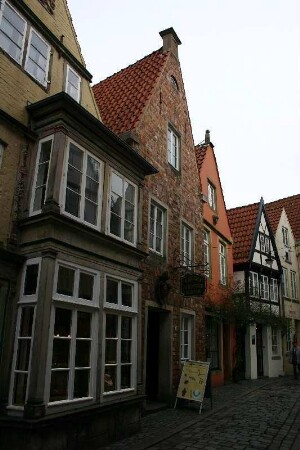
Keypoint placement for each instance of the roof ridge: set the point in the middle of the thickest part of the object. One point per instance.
(243, 206)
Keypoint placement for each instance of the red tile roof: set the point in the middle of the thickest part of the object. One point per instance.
(200, 152)
(122, 97)
(242, 221)
(292, 209)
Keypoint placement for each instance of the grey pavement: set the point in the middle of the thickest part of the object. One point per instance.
(252, 414)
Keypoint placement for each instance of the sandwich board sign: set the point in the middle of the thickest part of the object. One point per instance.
(193, 381)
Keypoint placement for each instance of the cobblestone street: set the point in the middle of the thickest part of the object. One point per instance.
(259, 414)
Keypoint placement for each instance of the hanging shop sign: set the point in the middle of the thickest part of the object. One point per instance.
(193, 381)
(193, 285)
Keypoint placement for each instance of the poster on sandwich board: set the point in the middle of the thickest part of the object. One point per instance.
(193, 381)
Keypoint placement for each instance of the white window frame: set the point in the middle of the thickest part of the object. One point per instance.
(264, 243)
(75, 299)
(253, 284)
(121, 311)
(285, 282)
(75, 305)
(211, 194)
(187, 245)
(223, 263)
(186, 336)
(80, 218)
(20, 59)
(30, 302)
(122, 238)
(45, 82)
(72, 353)
(206, 252)
(37, 166)
(67, 82)
(156, 224)
(273, 290)
(264, 287)
(293, 285)
(173, 148)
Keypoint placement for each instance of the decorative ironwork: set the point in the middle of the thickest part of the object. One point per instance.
(49, 5)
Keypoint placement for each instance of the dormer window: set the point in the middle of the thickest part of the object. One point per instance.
(73, 84)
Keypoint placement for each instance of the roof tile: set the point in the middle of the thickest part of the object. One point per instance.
(292, 209)
(122, 97)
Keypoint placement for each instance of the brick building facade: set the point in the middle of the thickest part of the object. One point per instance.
(145, 104)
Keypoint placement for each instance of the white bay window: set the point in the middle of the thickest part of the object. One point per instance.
(41, 176)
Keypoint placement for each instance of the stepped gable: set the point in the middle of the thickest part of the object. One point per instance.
(292, 209)
(122, 97)
(242, 222)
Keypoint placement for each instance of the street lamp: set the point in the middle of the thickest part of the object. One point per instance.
(269, 260)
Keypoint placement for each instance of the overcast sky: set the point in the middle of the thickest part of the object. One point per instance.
(241, 69)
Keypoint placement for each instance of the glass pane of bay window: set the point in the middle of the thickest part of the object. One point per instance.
(74, 181)
(83, 324)
(81, 383)
(42, 174)
(126, 294)
(31, 277)
(20, 388)
(23, 354)
(61, 352)
(126, 376)
(65, 281)
(86, 286)
(59, 385)
(62, 325)
(110, 378)
(111, 291)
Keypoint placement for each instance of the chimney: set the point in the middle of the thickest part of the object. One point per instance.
(170, 41)
(207, 137)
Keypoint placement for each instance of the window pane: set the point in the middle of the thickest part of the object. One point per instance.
(72, 203)
(129, 192)
(129, 212)
(65, 281)
(111, 325)
(128, 231)
(111, 351)
(31, 277)
(83, 324)
(125, 377)
(110, 379)
(75, 157)
(42, 174)
(111, 291)
(117, 185)
(81, 383)
(91, 190)
(116, 204)
(61, 350)
(93, 168)
(90, 212)
(74, 179)
(125, 351)
(126, 328)
(115, 225)
(24, 346)
(86, 286)
(26, 321)
(62, 325)
(59, 385)
(82, 358)
(20, 389)
(126, 294)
